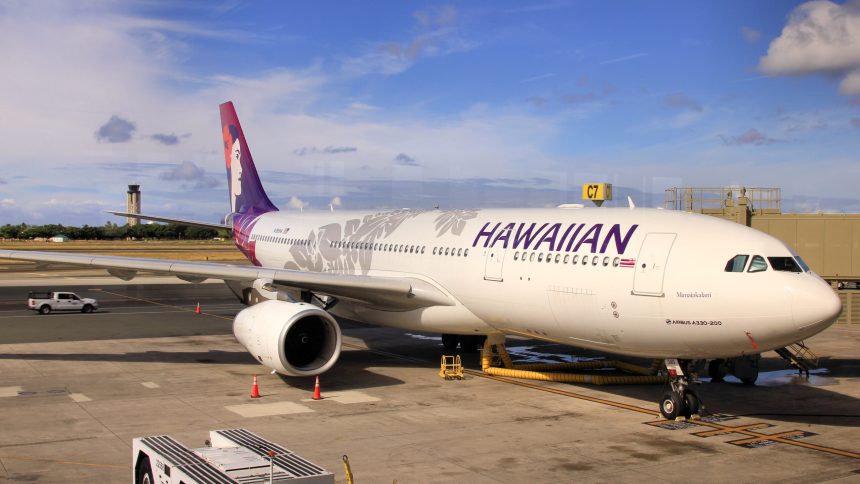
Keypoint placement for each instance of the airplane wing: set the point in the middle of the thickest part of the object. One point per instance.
(396, 293)
(193, 223)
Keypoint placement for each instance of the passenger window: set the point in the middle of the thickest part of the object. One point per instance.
(737, 263)
(784, 264)
(466, 253)
(566, 258)
(446, 250)
(595, 260)
(532, 257)
(434, 250)
(758, 264)
(459, 252)
(422, 248)
(616, 261)
(575, 259)
(605, 261)
(548, 258)
(540, 257)
(557, 258)
(584, 260)
(516, 256)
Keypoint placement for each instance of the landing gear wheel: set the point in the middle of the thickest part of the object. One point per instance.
(692, 403)
(749, 380)
(671, 405)
(715, 371)
(450, 341)
(470, 344)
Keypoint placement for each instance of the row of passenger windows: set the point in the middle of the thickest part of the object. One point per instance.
(279, 240)
(758, 264)
(400, 248)
(566, 258)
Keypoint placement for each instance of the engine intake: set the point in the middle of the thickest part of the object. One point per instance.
(296, 339)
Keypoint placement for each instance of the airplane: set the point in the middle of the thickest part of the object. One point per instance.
(630, 281)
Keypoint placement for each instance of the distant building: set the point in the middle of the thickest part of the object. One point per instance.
(133, 204)
(59, 238)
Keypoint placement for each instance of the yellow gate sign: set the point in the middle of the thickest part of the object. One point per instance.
(597, 192)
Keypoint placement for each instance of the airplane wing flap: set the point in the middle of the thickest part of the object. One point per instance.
(389, 292)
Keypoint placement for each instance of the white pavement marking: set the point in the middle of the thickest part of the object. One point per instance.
(150, 384)
(9, 391)
(80, 397)
(268, 409)
(346, 397)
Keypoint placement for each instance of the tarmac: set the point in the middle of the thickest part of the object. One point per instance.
(75, 389)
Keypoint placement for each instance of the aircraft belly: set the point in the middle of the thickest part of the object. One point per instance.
(435, 319)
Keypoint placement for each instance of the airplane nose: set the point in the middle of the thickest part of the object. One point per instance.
(814, 306)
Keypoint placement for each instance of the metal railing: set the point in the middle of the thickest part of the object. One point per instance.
(694, 199)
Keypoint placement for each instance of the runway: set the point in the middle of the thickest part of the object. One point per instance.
(75, 389)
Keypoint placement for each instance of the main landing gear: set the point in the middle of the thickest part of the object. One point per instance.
(679, 400)
(468, 343)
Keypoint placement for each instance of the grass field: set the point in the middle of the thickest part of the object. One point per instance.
(197, 250)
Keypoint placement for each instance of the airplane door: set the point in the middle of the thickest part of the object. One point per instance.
(493, 262)
(651, 264)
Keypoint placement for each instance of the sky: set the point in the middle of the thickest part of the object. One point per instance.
(420, 104)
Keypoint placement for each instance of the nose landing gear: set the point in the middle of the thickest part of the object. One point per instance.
(679, 400)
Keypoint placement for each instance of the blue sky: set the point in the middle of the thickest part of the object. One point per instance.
(424, 103)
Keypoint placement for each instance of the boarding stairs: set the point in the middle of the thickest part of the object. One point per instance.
(799, 356)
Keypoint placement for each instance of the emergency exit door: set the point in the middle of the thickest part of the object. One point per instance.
(651, 264)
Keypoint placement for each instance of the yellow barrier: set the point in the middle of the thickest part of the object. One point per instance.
(544, 371)
(451, 367)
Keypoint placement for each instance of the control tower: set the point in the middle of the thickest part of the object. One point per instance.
(133, 204)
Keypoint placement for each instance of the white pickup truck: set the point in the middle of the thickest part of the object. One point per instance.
(45, 302)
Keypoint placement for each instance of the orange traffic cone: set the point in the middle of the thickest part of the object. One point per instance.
(317, 389)
(198, 308)
(255, 390)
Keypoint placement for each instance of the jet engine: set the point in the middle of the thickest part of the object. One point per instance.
(296, 339)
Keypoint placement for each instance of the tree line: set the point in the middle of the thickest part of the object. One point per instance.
(110, 231)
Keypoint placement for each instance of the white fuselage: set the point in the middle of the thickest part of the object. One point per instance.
(632, 281)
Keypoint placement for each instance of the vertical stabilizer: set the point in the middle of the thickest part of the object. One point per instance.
(246, 192)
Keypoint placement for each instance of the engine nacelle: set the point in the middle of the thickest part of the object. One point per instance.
(297, 339)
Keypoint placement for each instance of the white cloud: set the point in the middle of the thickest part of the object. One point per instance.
(821, 37)
(437, 36)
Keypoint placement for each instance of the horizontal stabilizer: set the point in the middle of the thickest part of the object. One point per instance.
(192, 223)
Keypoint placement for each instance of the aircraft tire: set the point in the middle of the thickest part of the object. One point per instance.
(671, 405)
(750, 380)
(715, 372)
(692, 404)
(45, 309)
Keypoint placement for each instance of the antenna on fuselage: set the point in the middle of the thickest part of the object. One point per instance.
(630, 202)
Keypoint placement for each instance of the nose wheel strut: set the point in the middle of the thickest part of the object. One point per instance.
(679, 400)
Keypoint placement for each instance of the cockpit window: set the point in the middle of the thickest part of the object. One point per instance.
(758, 264)
(785, 264)
(802, 264)
(737, 263)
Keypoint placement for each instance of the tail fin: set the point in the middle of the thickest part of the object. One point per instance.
(246, 192)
